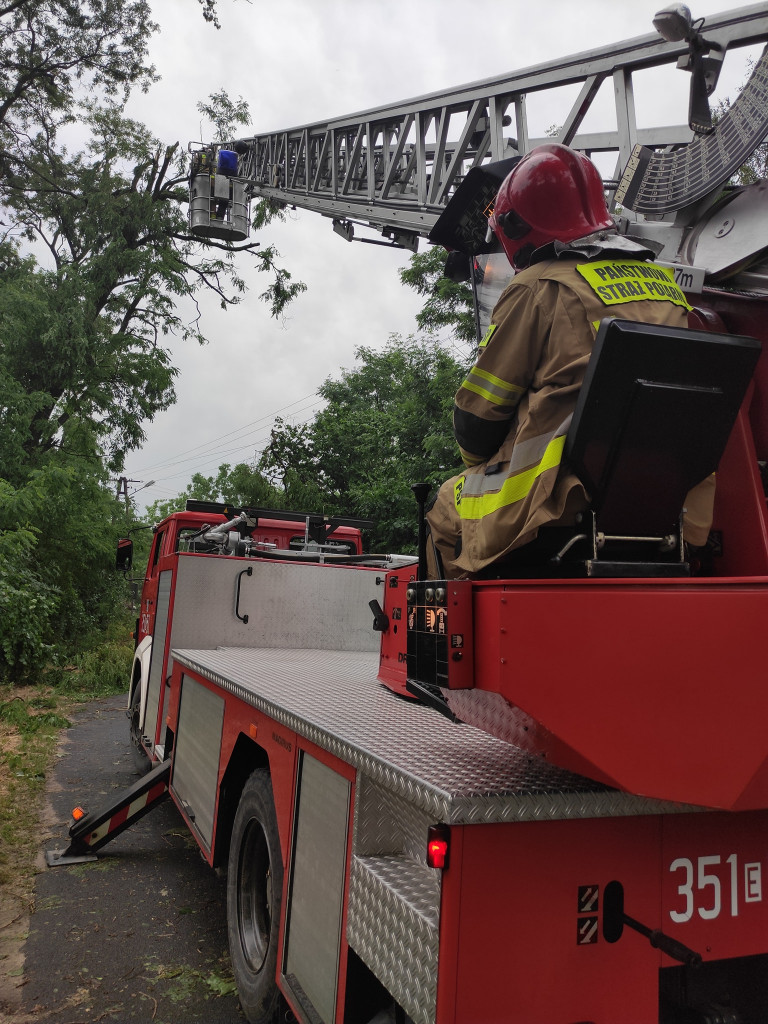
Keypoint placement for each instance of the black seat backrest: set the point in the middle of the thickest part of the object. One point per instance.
(652, 419)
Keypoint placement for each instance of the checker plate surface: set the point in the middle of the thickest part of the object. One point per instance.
(393, 926)
(455, 773)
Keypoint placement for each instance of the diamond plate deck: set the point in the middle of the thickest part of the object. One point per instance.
(455, 773)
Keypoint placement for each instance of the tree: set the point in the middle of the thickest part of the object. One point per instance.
(209, 11)
(110, 217)
(290, 463)
(95, 258)
(50, 50)
(448, 303)
(121, 258)
(225, 115)
(242, 486)
(57, 546)
(386, 426)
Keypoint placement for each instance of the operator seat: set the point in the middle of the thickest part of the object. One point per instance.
(653, 417)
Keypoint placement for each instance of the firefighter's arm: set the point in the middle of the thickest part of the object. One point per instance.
(487, 400)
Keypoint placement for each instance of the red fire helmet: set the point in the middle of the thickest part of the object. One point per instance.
(553, 193)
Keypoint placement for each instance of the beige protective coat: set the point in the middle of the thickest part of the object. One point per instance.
(513, 410)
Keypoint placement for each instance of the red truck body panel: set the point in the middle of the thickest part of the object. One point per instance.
(536, 953)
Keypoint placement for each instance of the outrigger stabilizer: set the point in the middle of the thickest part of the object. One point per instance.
(90, 832)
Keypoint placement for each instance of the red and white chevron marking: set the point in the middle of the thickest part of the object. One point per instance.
(125, 813)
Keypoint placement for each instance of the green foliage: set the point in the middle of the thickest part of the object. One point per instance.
(85, 322)
(225, 115)
(281, 290)
(221, 984)
(104, 669)
(242, 486)
(27, 609)
(182, 983)
(58, 532)
(23, 716)
(56, 513)
(264, 211)
(386, 426)
(290, 462)
(28, 602)
(245, 486)
(448, 304)
(84, 338)
(50, 50)
(209, 11)
(158, 510)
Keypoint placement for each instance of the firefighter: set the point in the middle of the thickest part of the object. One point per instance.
(513, 410)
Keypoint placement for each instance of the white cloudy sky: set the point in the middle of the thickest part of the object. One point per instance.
(299, 61)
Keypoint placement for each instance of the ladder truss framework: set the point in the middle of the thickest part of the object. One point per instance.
(395, 168)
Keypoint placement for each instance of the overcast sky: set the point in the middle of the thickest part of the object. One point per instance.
(299, 61)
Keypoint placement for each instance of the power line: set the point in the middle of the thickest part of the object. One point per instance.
(204, 459)
(253, 442)
(205, 448)
(174, 459)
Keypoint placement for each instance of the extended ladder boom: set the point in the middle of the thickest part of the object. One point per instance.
(394, 168)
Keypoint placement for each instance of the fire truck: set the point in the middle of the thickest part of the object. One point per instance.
(540, 795)
(209, 528)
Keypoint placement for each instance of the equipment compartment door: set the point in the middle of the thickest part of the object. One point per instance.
(316, 893)
(195, 779)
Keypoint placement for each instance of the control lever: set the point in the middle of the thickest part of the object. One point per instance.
(614, 920)
(380, 618)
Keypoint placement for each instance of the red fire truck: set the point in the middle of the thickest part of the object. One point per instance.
(538, 796)
(209, 528)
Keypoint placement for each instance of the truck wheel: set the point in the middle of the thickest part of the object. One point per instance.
(140, 760)
(254, 890)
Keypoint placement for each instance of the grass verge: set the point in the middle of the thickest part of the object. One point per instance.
(31, 719)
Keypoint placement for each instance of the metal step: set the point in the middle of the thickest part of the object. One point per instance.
(392, 924)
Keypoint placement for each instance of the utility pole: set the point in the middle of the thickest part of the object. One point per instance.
(122, 487)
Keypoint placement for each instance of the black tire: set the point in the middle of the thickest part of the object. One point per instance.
(254, 893)
(141, 762)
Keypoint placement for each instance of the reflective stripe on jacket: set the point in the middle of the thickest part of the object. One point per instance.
(513, 410)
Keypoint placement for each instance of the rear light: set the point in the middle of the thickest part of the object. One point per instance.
(438, 846)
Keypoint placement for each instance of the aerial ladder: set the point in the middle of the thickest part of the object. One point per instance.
(394, 170)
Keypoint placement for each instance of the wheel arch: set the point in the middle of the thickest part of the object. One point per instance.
(247, 757)
(140, 671)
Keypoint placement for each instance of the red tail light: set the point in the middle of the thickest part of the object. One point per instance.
(438, 846)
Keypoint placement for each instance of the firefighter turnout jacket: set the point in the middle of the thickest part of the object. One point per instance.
(513, 411)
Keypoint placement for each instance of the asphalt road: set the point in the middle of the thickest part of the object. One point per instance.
(139, 935)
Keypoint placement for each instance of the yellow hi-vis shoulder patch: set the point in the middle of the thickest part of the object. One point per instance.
(631, 281)
(488, 335)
